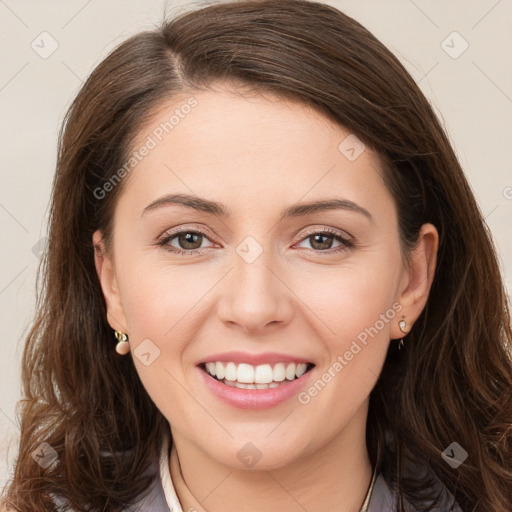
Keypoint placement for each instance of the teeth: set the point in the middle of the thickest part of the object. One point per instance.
(290, 372)
(262, 376)
(301, 369)
(241, 385)
(279, 372)
(245, 373)
(231, 372)
(219, 371)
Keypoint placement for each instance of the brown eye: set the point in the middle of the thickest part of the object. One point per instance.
(188, 240)
(185, 242)
(322, 241)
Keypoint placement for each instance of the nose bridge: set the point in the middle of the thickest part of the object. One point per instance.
(255, 297)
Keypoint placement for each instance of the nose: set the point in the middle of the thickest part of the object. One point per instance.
(255, 297)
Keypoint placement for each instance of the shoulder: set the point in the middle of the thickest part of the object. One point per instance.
(384, 499)
(153, 499)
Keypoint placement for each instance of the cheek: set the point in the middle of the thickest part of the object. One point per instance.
(351, 298)
(357, 307)
(160, 306)
(158, 299)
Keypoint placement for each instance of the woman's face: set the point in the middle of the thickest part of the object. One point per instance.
(220, 256)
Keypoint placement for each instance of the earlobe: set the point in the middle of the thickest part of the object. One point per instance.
(107, 278)
(418, 277)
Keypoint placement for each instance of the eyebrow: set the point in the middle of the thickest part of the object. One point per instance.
(218, 209)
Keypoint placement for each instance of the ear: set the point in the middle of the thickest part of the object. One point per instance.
(106, 275)
(416, 280)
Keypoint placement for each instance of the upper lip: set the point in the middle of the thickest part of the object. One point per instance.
(253, 359)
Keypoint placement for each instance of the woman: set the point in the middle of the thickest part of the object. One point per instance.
(268, 285)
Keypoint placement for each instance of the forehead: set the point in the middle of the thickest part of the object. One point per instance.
(257, 145)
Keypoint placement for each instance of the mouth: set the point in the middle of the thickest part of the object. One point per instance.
(259, 377)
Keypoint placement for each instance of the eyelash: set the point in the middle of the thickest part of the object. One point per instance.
(167, 237)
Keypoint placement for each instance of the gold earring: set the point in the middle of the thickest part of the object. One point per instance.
(403, 327)
(123, 346)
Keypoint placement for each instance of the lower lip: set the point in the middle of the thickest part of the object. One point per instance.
(255, 399)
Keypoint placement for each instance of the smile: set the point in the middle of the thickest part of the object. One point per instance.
(263, 376)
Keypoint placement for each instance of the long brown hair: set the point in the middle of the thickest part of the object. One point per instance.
(451, 383)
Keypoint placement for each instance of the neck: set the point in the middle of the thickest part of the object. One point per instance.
(335, 477)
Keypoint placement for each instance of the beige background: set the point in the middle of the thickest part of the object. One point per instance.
(472, 93)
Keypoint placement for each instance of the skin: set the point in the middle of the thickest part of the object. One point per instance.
(258, 155)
